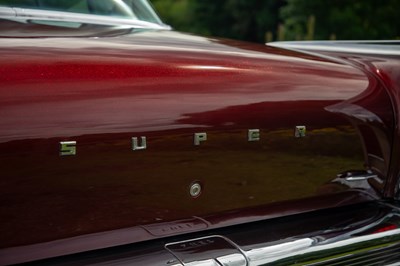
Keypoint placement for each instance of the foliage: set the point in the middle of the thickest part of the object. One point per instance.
(296, 19)
(345, 19)
(239, 19)
(261, 20)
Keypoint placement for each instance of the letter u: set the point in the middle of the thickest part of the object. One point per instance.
(136, 146)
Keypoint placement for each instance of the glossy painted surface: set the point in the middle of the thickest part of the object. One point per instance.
(386, 68)
(381, 59)
(101, 92)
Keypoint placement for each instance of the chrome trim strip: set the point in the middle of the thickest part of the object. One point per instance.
(358, 178)
(263, 256)
(268, 254)
(232, 260)
(238, 258)
(7, 12)
(34, 14)
(366, 47)
(297, 250)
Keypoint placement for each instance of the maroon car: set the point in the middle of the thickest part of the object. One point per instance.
(123, 142)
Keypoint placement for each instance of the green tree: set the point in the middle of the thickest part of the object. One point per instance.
(239, 19)
(345, 19)
(176, 13)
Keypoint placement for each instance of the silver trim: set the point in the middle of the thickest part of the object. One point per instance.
(302, 250)
(135, 143)
(253, 135)
(357, 175)
(48, 15)
(67, 148)
(210, 262)
(300, 131)
(305, 246)
(199, 137)
(358, 178)
(238, 258)
(360, 47)
(7, 12)
(232, 260)
(195, 190)
(268, 254)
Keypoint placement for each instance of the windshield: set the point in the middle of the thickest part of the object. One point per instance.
(127, 9)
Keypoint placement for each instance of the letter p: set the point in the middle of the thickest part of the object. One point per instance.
(199, 137)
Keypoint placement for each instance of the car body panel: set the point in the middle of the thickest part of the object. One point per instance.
(101, 92)
(380, 58)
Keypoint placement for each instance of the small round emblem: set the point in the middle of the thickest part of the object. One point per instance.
(195, 189)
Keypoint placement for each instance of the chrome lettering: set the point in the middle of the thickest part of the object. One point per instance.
(199, 137)
(300, 131)
(253, 135)
(67, 148)
(136, 146)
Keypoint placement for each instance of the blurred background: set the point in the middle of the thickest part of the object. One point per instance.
(283, 20)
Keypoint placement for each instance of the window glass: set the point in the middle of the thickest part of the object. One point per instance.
(129, 9)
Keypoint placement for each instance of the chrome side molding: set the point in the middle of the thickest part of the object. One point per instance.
(357, 175)
(212, 250)
(193, 252)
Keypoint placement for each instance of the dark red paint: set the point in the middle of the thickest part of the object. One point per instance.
(166, 86)
(386, 69)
